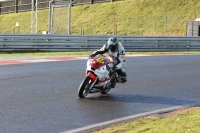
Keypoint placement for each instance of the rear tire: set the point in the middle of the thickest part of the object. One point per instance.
(84, 87)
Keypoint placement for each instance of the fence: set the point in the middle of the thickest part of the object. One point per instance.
(30, 42)
(15, 6)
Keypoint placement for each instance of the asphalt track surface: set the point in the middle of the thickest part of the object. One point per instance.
(42, 97)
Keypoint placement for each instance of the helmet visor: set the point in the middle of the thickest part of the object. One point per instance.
(113, 48)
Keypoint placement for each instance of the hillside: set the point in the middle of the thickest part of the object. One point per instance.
(128, 17)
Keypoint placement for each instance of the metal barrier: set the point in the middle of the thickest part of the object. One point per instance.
(55, 42)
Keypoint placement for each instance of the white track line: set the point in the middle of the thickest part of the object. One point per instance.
(91, 128)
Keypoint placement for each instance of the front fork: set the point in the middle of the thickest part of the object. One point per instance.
(93, 77)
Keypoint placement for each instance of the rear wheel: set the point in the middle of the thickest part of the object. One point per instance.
(84, 88)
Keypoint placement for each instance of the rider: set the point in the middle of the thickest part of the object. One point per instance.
(117, 54)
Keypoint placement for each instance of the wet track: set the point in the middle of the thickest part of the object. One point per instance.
(42, 97)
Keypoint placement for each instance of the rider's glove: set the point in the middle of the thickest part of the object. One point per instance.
(91, 56)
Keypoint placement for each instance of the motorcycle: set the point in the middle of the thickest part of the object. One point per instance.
(98, 76)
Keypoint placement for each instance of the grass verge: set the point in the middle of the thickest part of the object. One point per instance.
(181, 121)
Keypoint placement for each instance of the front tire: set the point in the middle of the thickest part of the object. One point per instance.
(84, 87)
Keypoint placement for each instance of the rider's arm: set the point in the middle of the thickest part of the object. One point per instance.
(101, 51)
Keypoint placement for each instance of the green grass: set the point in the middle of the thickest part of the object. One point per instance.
(127, 17)
(183, 121)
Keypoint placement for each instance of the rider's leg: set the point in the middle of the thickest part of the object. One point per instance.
(111, 72)
(122, 73)
(110, 69)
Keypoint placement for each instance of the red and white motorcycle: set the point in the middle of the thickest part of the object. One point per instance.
(98, 78)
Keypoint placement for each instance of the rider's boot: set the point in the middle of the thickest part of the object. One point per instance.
(113, 84)
(112, 76)
(112, 79)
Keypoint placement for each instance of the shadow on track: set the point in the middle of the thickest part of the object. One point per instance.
(128, 98)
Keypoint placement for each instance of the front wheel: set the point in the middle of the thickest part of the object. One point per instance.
(84, 88)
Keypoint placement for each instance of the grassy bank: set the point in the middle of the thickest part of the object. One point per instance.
(181, 121)
(127, 17)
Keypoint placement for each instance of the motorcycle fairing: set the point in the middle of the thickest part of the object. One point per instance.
(92, 75)
(99, 61)
(98, 67)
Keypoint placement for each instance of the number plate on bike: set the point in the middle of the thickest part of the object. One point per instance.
(100, 59)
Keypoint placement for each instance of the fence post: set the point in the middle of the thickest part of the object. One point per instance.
(91, 1)
(16, 6)
(142, 33)
(81, 30)
(13, 30)
(115, 29)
